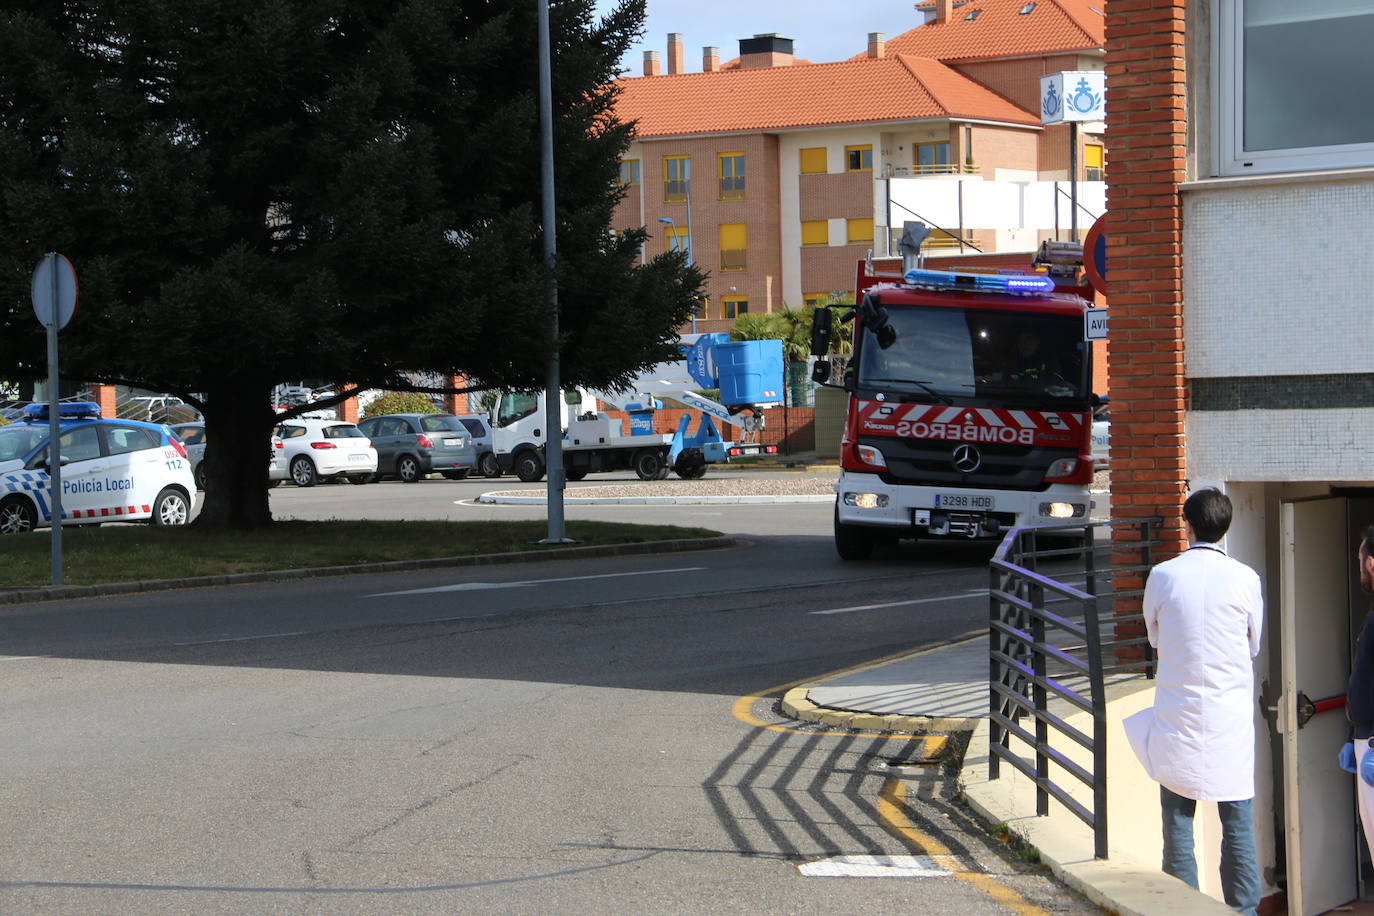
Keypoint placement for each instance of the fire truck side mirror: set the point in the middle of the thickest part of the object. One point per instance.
(820, 371)
(820, 332)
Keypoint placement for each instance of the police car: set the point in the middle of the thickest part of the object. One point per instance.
(112, 470)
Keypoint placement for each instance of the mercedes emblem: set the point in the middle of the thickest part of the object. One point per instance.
(966, 459)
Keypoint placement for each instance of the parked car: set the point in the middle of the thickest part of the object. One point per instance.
(192, 435)
(112, 470)
(479, 427)
(1101, 435)
(314, 450)
(413, 445)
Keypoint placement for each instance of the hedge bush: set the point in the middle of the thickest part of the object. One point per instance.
(399, 402)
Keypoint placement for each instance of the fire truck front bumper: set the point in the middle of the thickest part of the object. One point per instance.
(918, 511)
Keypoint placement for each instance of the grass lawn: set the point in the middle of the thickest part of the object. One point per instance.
(123, 553)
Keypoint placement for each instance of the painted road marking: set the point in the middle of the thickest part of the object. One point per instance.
(875, 607)
(873, 867)
(530, 583)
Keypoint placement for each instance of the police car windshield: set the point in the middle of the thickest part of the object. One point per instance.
(968, 353)
(16, 441)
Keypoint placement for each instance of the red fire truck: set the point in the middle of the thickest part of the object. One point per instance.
(970, 403)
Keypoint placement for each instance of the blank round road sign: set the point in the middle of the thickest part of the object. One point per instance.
(44, 305)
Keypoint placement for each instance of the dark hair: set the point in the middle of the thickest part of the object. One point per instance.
(1209, 512)
(1367, 541)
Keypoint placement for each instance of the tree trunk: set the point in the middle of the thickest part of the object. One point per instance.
(238, 434)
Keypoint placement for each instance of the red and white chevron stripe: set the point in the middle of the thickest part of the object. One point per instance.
(108, 512)
(970, 424)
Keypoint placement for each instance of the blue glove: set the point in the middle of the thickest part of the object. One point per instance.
(1367, 769)
(1346, 758)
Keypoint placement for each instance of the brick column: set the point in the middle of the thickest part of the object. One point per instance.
(104, 395)
(348, 410)
(456, 403)
(1147, 123)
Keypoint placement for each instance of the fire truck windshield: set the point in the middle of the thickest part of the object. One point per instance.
(944, 353)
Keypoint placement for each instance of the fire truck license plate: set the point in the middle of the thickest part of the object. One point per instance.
(963, 501)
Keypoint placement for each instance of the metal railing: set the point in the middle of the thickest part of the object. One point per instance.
(1049, 657)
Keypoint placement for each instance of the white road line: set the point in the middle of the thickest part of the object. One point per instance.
(21, 658)
(529, 583)
(210, 642)
(875, 607)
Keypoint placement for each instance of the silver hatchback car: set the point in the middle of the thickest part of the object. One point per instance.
(410, 446)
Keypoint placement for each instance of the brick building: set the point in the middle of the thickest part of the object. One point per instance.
(1241, 198)
(785, 172)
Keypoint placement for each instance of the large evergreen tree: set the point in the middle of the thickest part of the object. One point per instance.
(256, 190)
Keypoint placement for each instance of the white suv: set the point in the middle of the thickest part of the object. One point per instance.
(112, 471)
(315, 449)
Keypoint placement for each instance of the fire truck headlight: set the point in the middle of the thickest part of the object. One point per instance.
(1062, 468)
(871, 456)
(866, 500)
(1063, 510)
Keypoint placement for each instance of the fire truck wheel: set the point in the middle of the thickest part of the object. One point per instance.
(851, 541)
(529, 467)
(649, 465)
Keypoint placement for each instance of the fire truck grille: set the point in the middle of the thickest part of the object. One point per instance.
(1008, 467)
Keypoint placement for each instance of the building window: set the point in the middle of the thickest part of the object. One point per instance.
(859, 231)
(813, 161)
(730, 171)
(677, 178)
(733, 306)
(1285, 76)
(858, 158)
(1092, 162)
(815, 232)
(932, 158)
(676, 239)
(734, 244)
(629, 171)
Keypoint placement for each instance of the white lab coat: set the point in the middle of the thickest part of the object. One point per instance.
(1203, 612)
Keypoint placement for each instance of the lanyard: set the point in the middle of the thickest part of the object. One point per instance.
(1208, 547)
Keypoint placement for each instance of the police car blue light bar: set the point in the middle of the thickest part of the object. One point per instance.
(1016, 284)
(70, 410)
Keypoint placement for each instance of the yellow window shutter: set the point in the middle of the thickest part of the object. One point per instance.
(813, 161)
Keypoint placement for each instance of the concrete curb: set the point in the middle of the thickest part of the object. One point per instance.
(681, 545)
(797, 704)
(1123, 887)
(494, 498)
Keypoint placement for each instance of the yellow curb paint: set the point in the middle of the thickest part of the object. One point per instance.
(890, 802)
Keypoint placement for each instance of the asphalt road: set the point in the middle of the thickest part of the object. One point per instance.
(594, 736)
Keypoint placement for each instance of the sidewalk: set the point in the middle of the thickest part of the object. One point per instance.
(943, 691)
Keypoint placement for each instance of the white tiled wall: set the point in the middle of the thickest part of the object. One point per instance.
(1281, 445)
(1278, 279)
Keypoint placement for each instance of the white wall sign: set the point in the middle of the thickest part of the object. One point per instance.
(1095, 324)
(1073, 95)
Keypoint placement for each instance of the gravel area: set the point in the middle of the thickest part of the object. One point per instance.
(744, 485)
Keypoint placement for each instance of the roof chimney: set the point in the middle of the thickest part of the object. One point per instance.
(675, 52)
(877, 44)
(710, 59)
(944, 10)
(768, 50)
(652, 65)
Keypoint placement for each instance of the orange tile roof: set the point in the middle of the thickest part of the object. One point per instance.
(999, 30)
(901, 88)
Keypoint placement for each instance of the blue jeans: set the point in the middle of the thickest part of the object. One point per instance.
(1239, 872)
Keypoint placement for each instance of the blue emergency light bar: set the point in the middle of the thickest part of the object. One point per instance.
(1014, 284)
(70, 410)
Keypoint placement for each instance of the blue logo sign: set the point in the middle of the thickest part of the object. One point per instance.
(1083, 100)
(1051, 104)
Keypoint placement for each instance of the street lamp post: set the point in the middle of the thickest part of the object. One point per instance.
(668, 220)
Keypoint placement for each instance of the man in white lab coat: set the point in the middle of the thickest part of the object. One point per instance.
(1203, 612)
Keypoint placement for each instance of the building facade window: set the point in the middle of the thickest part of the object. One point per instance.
(932, 158)
(733, 306)
(629, 171)
(815, 232)
(1092, 162)
(730, 171)
(677, 178)
(858, 158)
(813, 161)
(1286, 76)
(858, 231)
(675, 239)
(734, 246)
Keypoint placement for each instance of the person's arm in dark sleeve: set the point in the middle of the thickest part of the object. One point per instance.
(1360, 692)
